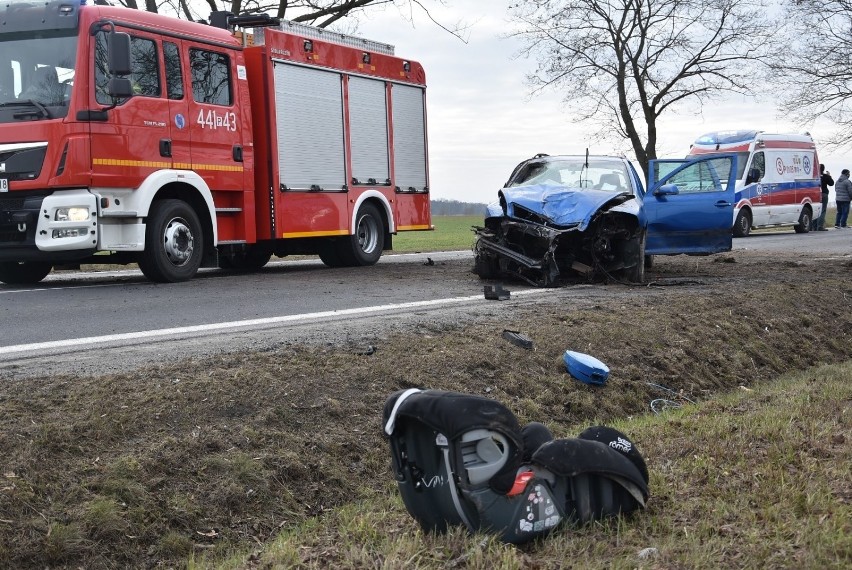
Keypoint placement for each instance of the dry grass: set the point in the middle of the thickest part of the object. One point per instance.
(204, 458)
(754, 479)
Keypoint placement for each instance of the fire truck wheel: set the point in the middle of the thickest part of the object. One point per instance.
(804, 225)
(742, 226)
(329, 253)
(173, 242)
(365, 246)
(250, 260)
(20, 273)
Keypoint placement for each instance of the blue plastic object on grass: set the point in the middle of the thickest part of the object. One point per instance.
(586, 368)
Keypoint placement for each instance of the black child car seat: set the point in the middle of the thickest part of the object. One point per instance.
(465, 460)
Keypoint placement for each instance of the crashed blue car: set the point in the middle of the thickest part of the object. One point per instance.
(566, 218)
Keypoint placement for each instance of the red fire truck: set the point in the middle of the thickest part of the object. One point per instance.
(127, 136)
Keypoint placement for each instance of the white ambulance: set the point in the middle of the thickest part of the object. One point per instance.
(778, 181)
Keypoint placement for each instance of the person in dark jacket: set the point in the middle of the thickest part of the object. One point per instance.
(843, 195)
(825, 180)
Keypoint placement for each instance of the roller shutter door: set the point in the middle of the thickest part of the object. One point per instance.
(309, 113)
(368, 129)
(409, 138)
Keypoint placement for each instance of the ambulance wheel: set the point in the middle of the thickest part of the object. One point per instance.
(804, 225)
(23, 272)
(174, 242)
(365, 246)
(742, 227)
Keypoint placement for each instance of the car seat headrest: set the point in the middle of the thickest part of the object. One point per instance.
(610, 179)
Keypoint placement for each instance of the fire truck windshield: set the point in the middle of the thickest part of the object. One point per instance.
(36, 74)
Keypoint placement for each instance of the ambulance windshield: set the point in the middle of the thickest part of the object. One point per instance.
(36, 74)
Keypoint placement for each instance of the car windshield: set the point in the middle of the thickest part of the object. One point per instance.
(600, 174)
(36, 74)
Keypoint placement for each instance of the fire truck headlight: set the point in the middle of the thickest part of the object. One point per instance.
(72, 214)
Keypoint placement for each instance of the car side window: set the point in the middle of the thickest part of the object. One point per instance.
(144, 68)
(211, 77)
(701, 177)
(759, 162)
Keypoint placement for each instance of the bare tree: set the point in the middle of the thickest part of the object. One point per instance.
(320, 13)
(815, 75)
(622, 64)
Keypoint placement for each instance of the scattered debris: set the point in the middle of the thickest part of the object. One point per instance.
(647, 553)
(661, 405)
(496, 293)
(518, 339)
(366, 351)
(585, 368)
(428, 261)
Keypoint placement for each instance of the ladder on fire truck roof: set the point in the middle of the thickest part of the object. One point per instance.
(328, 36)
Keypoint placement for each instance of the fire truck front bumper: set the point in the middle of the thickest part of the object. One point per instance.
(41, 226)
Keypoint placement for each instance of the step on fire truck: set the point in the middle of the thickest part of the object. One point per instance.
(127, 136)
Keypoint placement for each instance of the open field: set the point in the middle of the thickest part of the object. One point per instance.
(274, 459)
(451, 233)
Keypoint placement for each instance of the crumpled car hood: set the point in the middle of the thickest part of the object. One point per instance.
(562, 206)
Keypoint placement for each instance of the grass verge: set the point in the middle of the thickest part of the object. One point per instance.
(451, 233)
(760, 478)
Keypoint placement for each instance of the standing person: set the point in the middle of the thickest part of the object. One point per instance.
(825, 180)
(843, 195)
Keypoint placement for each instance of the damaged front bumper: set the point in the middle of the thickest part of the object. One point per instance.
(611, 247)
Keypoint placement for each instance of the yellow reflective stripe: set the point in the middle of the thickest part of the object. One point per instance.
(178, 166)
(115, 162)
(413, 228)
(315, 234)
(222, 167)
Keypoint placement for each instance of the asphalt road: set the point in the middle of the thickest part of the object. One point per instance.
(71, 319)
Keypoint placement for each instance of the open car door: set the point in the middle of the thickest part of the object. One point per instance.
(690, 205)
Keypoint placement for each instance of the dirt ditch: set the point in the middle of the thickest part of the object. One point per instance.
(144, 467)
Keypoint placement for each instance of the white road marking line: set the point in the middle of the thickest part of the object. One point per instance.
(213, 327)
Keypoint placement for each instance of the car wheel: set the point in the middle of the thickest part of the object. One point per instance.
(486, 267)
(742, 227)
(365, 246)
(804, 225)
(174, 242)
(636, 274)
(23, 272)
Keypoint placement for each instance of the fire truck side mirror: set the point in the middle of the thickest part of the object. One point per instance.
(120, 87)
(118, 49)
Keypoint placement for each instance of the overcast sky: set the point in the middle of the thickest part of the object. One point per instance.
(482, 120)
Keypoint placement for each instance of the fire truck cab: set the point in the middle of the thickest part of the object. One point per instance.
(127, 136)
(777, 181)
